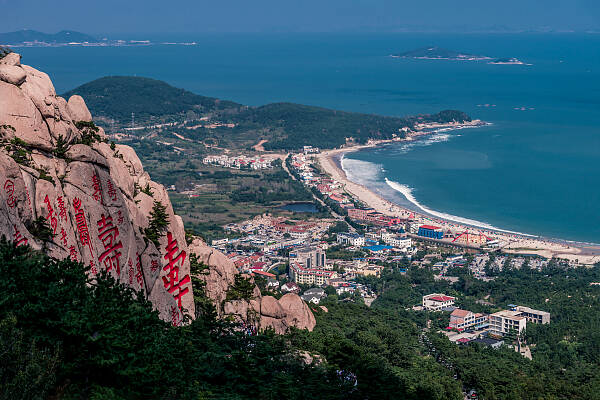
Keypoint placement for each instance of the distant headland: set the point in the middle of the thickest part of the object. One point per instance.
(31, 38)
(438, 53)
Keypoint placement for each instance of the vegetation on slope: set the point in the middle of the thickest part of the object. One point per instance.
(284, 125)
(116, 97)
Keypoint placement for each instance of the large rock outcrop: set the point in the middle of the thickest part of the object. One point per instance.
(261, 312)
(57, 170)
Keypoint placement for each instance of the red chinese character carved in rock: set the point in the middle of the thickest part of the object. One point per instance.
(174, 316)
(171, 279)
(112, 193)
(9, 189)
(51, 217)
(19, 239)
(97, 195)
(82, 228)
(93, 267)
(138, 268)
(73, 253)
(108, 234)
(63, 236)
(62, 211)
(119, 217)
(154, 266)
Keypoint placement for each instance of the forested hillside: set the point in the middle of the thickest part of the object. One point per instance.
(286, 126)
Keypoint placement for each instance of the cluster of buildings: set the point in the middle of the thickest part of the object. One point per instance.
(239, 162)
(509, 322)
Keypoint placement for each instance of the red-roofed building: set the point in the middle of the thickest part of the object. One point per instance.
(436, 301)
(463, 319)
(263, 273)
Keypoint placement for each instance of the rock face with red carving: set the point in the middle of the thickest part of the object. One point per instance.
(260, 312)
(65, 190)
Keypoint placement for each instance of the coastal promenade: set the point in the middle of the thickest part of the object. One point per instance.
(581, 253)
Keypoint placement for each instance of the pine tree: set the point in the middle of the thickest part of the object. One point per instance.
(159, 220)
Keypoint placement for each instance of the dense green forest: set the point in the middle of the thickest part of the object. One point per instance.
(116, 97)
(65, 336)
(285, 126)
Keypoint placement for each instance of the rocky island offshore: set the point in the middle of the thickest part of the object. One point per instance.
(438, 53)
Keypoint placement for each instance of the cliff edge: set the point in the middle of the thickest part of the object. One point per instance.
(66, 190)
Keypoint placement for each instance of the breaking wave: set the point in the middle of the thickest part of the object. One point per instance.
(407, 192)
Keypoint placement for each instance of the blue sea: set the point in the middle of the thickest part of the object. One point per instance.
(535, 170)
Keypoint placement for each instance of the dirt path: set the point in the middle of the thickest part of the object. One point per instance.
(259, 146)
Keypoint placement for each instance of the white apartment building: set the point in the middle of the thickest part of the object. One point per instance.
(437, 301)
(350, 239)
(535, 316)
(506, 321)
(302, 275)
(401, 243)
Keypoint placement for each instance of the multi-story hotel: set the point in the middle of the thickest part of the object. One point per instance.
(463, 319)
(302, 275)
(505, 321)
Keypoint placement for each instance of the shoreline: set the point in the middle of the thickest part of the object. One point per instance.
(514, 242)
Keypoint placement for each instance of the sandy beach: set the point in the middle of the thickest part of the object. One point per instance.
(511, 243)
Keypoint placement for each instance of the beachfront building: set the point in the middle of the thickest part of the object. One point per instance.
(310, 276)
(437, 301)
(309, 256)
(535, 316)
(430, 231)
(506, 321)
(350, 239)
(399, 242)
(464, 319)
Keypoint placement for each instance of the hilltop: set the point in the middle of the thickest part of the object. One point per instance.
(283, 125)
(28, 35)
(116, 97)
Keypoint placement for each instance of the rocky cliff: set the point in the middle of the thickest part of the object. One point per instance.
(261, 312)
(66, 190)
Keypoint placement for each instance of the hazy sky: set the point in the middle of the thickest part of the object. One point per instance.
(159, 16)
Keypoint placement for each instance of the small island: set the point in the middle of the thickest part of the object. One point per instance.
(507, 61)
(438, 53)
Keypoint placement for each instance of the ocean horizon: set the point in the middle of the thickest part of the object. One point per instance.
(534, 170)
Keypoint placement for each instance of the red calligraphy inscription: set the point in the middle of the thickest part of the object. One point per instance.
(62, 211)
(154, 266)
(174, 316)
(108, 234)
(97, 195)
(82, 228)
(9, 189)
(120, 217)
(63, 236)
(73, 253)
(51, 216)
(19, 238)
(93, 267)
(28, 199)
(138, 268)
(112, 193)
(175, 261)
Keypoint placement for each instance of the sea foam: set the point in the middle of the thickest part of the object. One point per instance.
(407, 192)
